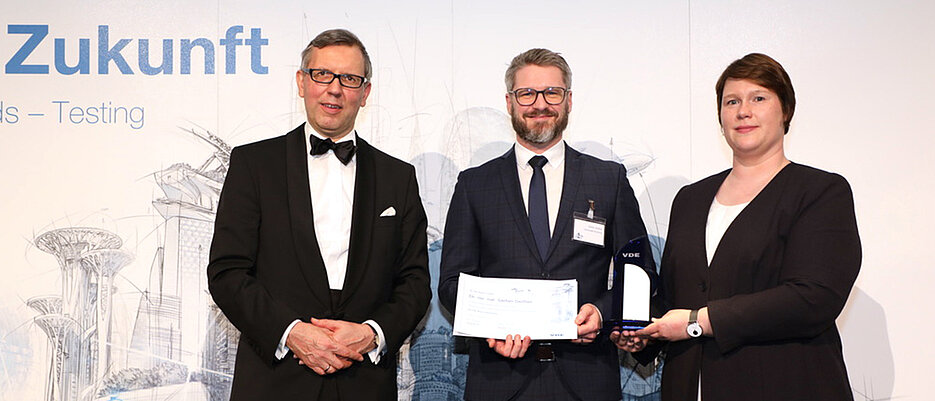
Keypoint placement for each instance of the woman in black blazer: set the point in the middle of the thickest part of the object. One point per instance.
(758, 263)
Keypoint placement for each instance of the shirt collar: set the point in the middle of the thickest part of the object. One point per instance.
(555, 154)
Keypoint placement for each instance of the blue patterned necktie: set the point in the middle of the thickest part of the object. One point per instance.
(539, 206)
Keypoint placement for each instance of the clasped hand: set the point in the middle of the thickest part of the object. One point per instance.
(515, 346)
(326, 346)
(670, 327)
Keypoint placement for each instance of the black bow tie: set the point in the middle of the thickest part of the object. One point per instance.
(343, 150)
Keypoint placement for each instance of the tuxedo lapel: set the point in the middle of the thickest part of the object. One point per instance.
(301, 216)
(361, 219)
(509, 178)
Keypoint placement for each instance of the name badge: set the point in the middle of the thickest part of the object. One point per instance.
(589, 229)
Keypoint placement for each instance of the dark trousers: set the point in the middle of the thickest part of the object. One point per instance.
(546, 384)
(329, 391)
(329, 386)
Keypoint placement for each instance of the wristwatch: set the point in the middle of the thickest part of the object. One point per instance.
(694, 329)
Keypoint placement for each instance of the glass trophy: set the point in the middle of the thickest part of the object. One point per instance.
(634, 283)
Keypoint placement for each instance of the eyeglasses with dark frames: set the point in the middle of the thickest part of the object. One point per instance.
(552, 95)
(326, 77)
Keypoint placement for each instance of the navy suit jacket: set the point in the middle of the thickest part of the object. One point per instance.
(488, 234)
(266, 269)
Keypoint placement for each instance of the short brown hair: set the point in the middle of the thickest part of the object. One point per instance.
(337, 37)
(540, 57)
(766, 72)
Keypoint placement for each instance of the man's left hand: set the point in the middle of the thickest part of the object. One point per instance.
(356, 336)
(589, 324)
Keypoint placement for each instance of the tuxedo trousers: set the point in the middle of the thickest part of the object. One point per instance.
(329, 386)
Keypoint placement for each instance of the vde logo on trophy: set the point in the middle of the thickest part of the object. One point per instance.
(634, 283)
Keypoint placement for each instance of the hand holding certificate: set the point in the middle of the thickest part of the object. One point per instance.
(497, 307)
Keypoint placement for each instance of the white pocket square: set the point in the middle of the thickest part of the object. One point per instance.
(389, 212)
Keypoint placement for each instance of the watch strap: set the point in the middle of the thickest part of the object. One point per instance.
(694, 328)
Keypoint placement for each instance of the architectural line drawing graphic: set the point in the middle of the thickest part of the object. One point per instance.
(181, 344)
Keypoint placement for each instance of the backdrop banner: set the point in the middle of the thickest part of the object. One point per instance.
(117, 119)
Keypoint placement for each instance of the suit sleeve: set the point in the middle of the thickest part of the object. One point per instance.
(460, 250)
(411, 288)
(232, 281)
(820, 263)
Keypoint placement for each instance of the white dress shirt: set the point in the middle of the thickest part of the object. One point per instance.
(554, 172)
(331, 185)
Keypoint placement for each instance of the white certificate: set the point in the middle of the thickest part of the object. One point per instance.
(496, 307)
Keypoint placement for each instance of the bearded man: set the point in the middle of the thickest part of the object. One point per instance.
(512, 217)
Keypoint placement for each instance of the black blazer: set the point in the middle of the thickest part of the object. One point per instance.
(487, 234)
(778, 279)
(266, 269)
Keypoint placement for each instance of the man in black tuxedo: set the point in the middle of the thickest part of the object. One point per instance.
(319, 246)
(514, 217)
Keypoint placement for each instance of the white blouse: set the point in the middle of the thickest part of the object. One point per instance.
(719, 219)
